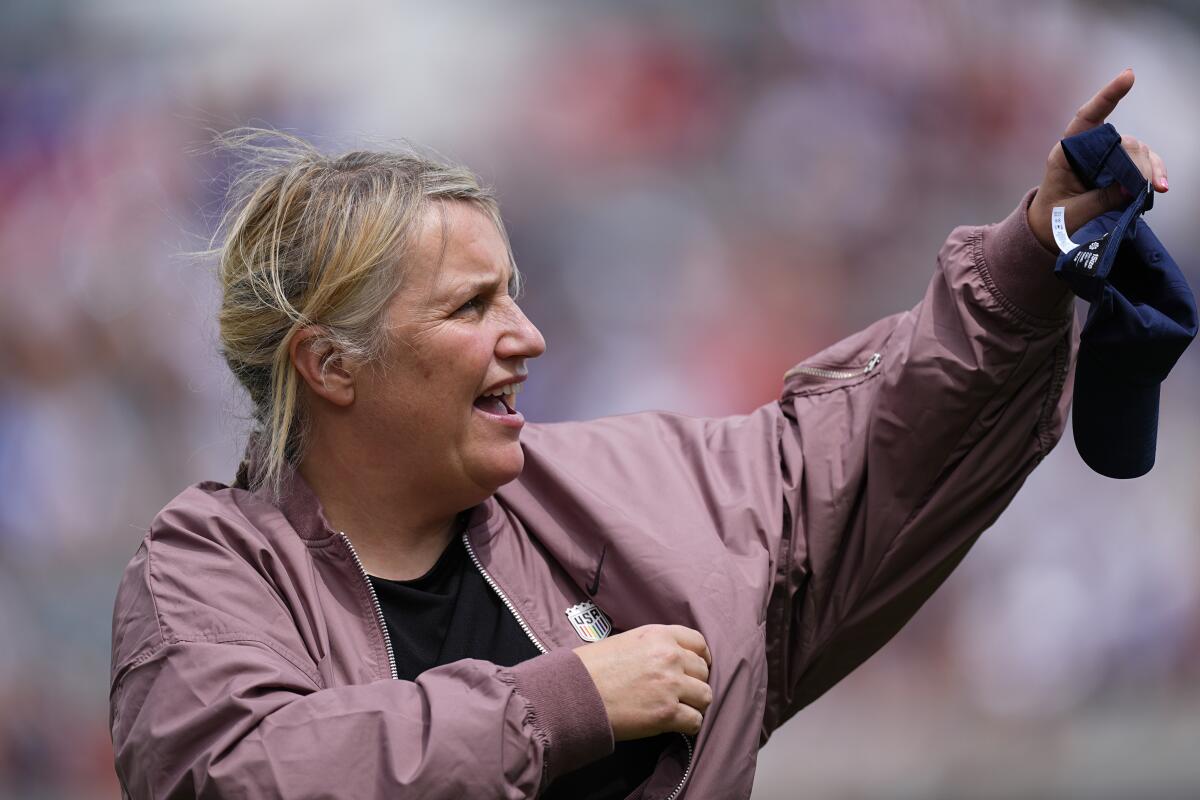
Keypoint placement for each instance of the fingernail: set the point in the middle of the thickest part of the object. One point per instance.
(1164, 183)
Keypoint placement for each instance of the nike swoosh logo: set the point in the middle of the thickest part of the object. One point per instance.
(595, 587)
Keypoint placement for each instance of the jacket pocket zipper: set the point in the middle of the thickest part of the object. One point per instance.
(837, 374)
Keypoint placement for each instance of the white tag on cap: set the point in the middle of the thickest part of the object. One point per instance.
(1058, 224)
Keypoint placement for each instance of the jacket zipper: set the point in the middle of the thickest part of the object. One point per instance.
(838, 374)
(503, 597)
(387, 639)
(542, 649)
(686, 771)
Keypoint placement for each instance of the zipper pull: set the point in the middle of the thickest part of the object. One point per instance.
(873, 363)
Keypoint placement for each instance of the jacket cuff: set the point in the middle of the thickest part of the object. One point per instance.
(1022, 269)
(566, 709)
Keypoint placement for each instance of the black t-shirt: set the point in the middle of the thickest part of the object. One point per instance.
(450, 613)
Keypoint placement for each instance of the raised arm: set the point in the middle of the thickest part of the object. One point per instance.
(884, 459)
(897, 472)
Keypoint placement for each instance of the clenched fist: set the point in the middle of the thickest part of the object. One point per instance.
(652, 679)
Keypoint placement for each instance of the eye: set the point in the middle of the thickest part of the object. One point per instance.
(475, 305)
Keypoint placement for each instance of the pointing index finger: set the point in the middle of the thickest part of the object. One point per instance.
(1096, 110)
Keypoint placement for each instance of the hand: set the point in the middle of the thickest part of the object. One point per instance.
(652, 679)
(1061, 187)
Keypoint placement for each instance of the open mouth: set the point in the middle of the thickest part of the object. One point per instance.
(500, 403)
(494, 405)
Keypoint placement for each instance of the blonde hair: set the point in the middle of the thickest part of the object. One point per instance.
(316, 240)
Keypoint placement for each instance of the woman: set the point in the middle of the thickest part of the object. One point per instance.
(409, 593)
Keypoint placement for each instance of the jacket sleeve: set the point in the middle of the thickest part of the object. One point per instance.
(226, 710)
(889, 477)
(866, 483)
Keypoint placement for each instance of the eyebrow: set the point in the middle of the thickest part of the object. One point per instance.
(475, 285)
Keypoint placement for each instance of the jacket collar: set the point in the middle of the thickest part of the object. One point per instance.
(299, 505)
(303, 511)
(484, 521)
(296, 500)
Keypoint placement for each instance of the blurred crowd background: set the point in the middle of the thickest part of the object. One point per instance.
(700, 194)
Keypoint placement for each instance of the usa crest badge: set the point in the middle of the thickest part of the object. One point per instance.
(589, 621)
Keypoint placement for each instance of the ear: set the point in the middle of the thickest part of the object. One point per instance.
(321, 366)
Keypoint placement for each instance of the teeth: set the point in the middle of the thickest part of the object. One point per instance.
(512, 388)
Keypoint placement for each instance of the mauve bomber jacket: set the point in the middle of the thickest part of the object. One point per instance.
(249, 659)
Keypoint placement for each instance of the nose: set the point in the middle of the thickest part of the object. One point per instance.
(520, 338)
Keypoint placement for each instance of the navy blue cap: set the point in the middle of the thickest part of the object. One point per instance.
(1142, 314)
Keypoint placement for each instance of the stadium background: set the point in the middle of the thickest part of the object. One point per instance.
(700, 194)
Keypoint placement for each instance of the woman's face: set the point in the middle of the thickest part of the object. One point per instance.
(456, 335)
